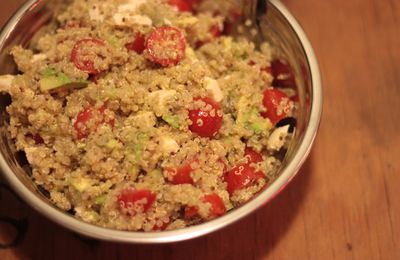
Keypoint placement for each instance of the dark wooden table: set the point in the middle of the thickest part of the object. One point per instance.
(345, 202)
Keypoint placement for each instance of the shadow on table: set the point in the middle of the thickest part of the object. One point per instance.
(253, 237)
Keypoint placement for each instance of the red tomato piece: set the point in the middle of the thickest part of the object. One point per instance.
(253, 156)
(191, 212)
(181, 5)
(206, 123)
(242, 176)
(38, 139)
(228, 23)
(138, 44)
(182, 174)
(162, 227)
(136, 201)
(215, 31)
(88, 120)
(217, 205)
(267, 70)
(277, 103)
(84, 53)
(166, 46)
(283, 74)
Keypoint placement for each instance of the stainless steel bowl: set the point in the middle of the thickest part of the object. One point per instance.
(283, 31)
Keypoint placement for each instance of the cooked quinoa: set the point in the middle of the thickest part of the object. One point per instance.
(146, 115)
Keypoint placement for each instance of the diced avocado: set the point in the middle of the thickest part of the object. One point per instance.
(253, 121)
(227, 42)
(155, 176)
(54, 80)
(111, 93)
(112, 144)
(113, 41)
(172, 120)
(92, 216)
(48, 72)
(260, 126)
(135, 149)
(101, 199)
(80, 183)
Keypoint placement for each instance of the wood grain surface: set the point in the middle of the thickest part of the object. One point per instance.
(345, 202)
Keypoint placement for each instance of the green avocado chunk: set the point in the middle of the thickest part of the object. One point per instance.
(52, 80)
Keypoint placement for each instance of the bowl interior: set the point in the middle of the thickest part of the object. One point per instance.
(276, 28)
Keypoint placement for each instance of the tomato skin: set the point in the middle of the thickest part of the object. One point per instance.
(283, 74)
(83, 125)
(81, 59)
(137, 45)
(272, 100)
(162, 227)
(37, 138)
(241, 176)
(217, 205)
(203, 123)
(182, 174)
(166, 46)
(191, 212)
(129, 196)
(253, 156)
(182, 5)
(215, 31)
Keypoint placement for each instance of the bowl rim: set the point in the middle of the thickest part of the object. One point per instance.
(191, 232)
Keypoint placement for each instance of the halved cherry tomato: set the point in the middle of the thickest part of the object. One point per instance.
(253, 156)
(206, 123)
(215, 33)
(166, 46)
(277, 103)
(217, 205)
(191, 212)
(242, 176)
(228, 23)
(138, 44)
(136, 201)
(89, 119)
(181, 5)
(184, 5)
(37, 138)
(182, 174)
(162, 227)
(84, 53)
(283, 74)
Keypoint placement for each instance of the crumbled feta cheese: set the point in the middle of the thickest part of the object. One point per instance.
(131, 6)
(5, 82)
(38, 57)
(129, 19)
(167, 22)
(277, 138)
(95, 14)
(159, 99)
(168, 145)
(213, 87)
(127, 16)
(187, 21)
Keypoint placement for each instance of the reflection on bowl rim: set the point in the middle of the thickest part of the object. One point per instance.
(279, 184)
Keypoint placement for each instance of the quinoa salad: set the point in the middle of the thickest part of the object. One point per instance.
(149, 115)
